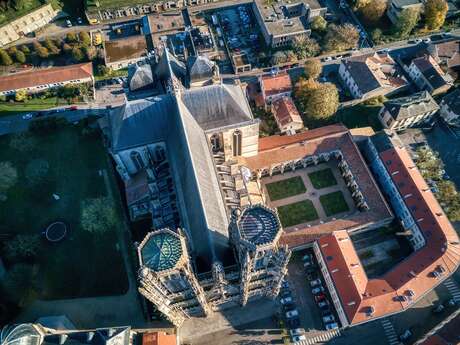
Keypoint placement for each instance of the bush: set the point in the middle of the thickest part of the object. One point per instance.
(20, 57)
(5, 58)
(37, 170)
(22, 247)
(98, 215)
(20, 285)
(22, 142)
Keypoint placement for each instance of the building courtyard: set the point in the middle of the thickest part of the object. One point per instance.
(309, 196)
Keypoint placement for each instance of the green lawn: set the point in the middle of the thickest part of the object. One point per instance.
(82, 265)
(322, 178)
(360, 116)
(123, 72)
(297, 213)
(8, 109)
(285, 188)
(333, 203)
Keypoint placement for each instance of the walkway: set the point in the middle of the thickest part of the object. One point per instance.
(453, 288)
(321, 338)
(389, 332)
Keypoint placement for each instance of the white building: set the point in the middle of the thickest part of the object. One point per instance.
(450, 108)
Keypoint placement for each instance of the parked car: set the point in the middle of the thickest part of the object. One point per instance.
(315, 282)
(319, 298)
(307, 257)
(323, 304)
(332, 325)
(285, 284)
(292, 313)
(405, 335)
(27, 116)
(326, 311)
(298, 338)
(285, 293)
(308, 264)
(286, 300)
(289, 306)
(296, 331)
(317, 290)
(68, 23)
(328, 318)
(451, 302)
(79, 21)
(427, 40)
(293, 323)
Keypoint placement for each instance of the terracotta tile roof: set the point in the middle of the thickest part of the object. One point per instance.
(412, 278)
(158, 338)
(46, 76)
(273, 85)
(285, 111)
(277, 149)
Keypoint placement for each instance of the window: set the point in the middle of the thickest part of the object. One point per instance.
(237, 136)
(160, 154)
(137, 160)
(215, 143)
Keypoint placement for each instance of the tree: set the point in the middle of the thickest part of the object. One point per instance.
(358, 4)
(435, 13)
(19, 4)
(22, 247)
(305, 47)
(52, 48)
(377, 35)
(407, 20)
(313, 69)
(103, 70)
(40, 50)
(318, 24)
(71, 38)
(77, 54)
(20, 95)
(67, 48)
(22, 142)
(90, 52)
(8, 178)
(20, 57)
(373, 11)
(341, 37)
(319, 101)
(25, 49)
(5, 58)
(20, 285)
(98, 215)
(84, 39)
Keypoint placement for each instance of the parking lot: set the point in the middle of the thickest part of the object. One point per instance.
(306, 308)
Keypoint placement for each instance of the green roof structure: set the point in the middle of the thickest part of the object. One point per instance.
(161, 251)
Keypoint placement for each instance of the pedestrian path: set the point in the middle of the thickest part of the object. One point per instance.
(390, 332)
(321, 338)
(453, 288)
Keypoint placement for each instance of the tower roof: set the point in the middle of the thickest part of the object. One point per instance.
(259, 225)
(160, 250)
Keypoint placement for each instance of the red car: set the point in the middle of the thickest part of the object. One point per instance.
(320, 297)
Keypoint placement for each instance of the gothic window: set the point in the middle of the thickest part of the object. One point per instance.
(160, 154)
(215, 143)
(237, 136)
(137, 160)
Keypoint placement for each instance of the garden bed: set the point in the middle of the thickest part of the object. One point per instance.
(322, 178)
(333, 203)
(297, 213)
(285, 188)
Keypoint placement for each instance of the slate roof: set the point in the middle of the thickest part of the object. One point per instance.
(431, 71)
(258, 225)
(361, 74)
(419, 103)
(140, 77)
(100, 336)
(285, 111)
(200, 68)
(453, 101)
(160, 250)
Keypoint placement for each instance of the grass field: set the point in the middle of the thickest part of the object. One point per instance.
(8, 109)
(115, 3)
(297, 213)
(82, 265)
(333, 203)
(360, 116)
(322, 178)
(285, 188)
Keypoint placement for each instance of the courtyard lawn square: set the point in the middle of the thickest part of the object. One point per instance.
(333, 203)
(297, 213)
(322, 178)
(285, 188)
(57, 172)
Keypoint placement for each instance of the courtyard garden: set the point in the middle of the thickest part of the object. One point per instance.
(59, 173)
(286, 188)
(297, 213)
(333, 203)
(322, 178)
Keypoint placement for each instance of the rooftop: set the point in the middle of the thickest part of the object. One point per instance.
(46, 76)
(285, 111)
(431, 71)
(259, 225)
(273, 85)
(163, 22)
(414, 105)
(277, 149)
(453, 101)
(363, 298)
(158, 338)
(160, 250)
(125, 48)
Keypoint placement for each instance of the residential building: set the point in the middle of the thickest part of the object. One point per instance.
(26, 24)
(450, 108)
(286, 115)
(282, 21)
(404, 112)
(274, 87)
(428, 75)
(395, 7)
(39, 80)
(447, 55)
(121, 53)
(371, 75)
(359, 299)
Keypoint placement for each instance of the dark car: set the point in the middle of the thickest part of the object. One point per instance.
(293, 323)
(289, 306)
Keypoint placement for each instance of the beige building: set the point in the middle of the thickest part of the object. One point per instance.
(26, 24)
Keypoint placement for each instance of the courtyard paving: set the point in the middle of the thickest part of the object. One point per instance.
(312, 193)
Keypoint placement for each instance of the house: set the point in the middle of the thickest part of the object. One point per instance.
(447, 55)
(121, 53)
(371, 75)
(26, 24)
(450, 108)
(274, 87)
(404, 112)
(395, 7)
(286, 115)
(428, 75)
(282, 21)
(39, 80)
(359, 299)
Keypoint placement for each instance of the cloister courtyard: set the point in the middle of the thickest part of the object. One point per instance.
(309, 196)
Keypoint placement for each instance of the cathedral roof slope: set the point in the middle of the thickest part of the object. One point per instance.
(200, 68)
